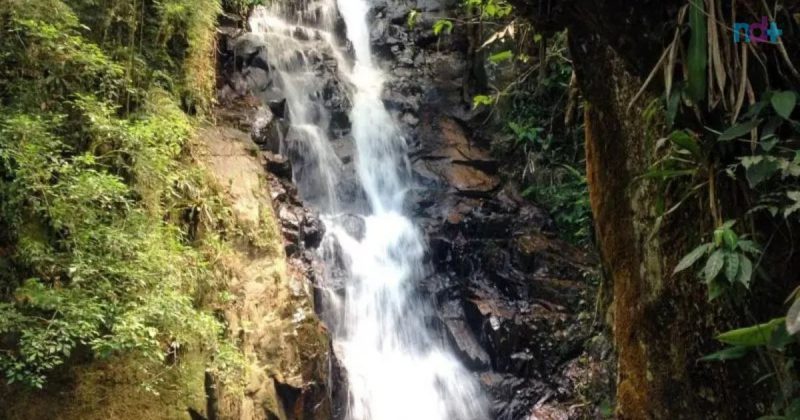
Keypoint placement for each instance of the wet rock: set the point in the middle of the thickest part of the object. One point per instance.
(276, 103)
(260, 60)
(313, 231)
(354, 225)
(266, 130)
(340, 388)
(465, 343)
(468, 180)
(246, 45)
(242, 66)
(338, 266)
(256, 79)
(300, 226)
(279, 165)
(511, 397)
(448, 158)
(520, 288)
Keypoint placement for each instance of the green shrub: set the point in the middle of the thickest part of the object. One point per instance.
(93, 257)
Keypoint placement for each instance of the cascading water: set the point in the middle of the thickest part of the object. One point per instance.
(396, 367)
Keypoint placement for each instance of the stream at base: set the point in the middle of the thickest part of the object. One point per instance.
(396, 367)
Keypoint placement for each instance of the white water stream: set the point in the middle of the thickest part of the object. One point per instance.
(396, 368)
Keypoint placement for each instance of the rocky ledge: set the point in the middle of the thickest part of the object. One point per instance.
(513, 299)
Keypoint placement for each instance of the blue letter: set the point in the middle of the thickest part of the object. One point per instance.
(774, 33)
(738, 28)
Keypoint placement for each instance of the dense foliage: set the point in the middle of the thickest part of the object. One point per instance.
(724, 139)
(94, 255)
(540, 113)
(734, 153)
(531, 95)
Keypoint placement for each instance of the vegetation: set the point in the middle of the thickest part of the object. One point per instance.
(735, 141)
(724, 140)
(242, 7)
(539, 112)
(111, 239)
(532, 97)
(95, 247)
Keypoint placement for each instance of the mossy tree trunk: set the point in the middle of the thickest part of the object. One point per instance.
(662, 323)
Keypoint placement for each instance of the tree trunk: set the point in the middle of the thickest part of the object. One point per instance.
(662, 323)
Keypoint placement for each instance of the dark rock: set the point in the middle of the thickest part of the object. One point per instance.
(265, 130)
(279, 165)
(252, 102)
(257, 79)
(277, 105)
(340, 388)
(467, 345)
(260, 60)
(313, 231)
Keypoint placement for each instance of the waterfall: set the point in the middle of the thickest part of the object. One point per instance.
(397, 367)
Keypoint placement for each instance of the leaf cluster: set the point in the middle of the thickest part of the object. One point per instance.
(95, 246)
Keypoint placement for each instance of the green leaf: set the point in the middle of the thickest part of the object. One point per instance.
(413, 16)
(692, 257)
(780, 338)
(757, 335)
(729, 238)
(685, 141)
(698, 52)
(715, 290)
(718, 236)
(784, 103)
(501, 56)
(768, 139)
(749, 247)
(673, 103)
(745, 274)
(479, 100)
(442, 25)
(759, 168)
(769, 143)
(756, 109)
(714, 265)
(731, 266)
(739, 130)
(794, 196)
(728, 353)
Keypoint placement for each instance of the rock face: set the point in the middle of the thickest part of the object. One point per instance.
(513, 299)
(510, 298)
(273, 317)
